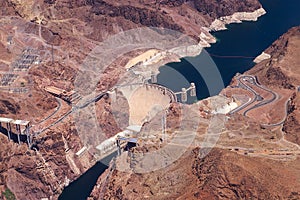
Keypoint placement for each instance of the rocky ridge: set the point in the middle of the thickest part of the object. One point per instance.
(76, 27)
(227, 172)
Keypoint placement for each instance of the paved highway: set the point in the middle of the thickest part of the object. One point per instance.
(252, 100)
(85, 104)
(252, 80)
(284, 118)
(56, 110)
(75, 108)
(274, 95)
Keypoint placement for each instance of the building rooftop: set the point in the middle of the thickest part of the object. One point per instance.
(141, 58)
(123, 133)
(81, 151)
(5, 120)
(55, 90)
(132, 140)
(134, 128)
(21, 122)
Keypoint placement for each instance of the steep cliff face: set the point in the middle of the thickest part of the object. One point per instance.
(13, 106)
(6, 107)
(140, 16)
(66, 31)
(220, 8)
(43, 171)
(220, 175)
(107, 17)
(40, 173)
(292, 124)
(226, 176)
(175, 15)
(278, 71)
(275, 76)
(282, 71)
(228, 172)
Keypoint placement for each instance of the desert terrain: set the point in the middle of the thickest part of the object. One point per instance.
(53, 42)
(257, 142)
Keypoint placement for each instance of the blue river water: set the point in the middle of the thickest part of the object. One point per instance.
(248, 39)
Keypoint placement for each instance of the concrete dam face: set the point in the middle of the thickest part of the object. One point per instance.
(145, 101)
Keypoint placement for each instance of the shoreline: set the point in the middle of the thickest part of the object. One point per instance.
(238, 17)
(206, 39)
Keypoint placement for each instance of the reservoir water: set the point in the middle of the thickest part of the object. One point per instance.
(248, 39)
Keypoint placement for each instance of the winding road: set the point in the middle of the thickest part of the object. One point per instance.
(85, 104)
(284, 118)
(75, 108)
(254, 82)
(56, 110)
(243, 82)
(251, 101)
